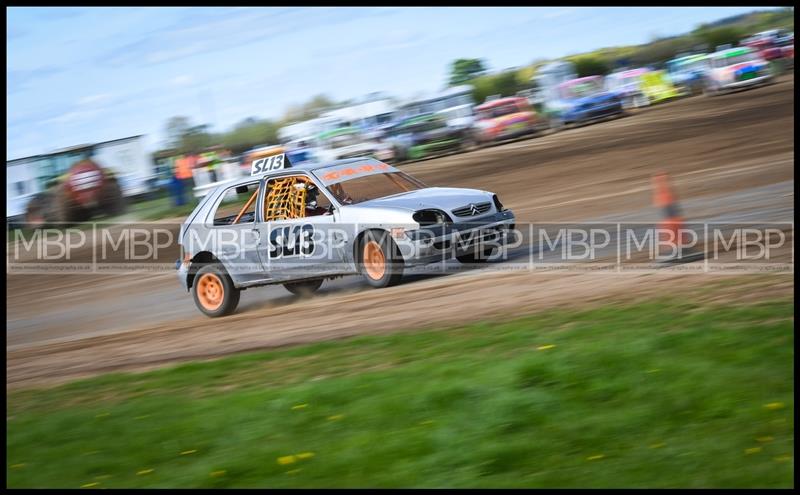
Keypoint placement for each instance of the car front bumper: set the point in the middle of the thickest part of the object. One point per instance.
(597, 113)
(513, 132)
(440, 243)
(423, 150)
(748, 82)
(182, 273)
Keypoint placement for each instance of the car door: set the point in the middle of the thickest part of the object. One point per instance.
(297, 240)
(230, 225)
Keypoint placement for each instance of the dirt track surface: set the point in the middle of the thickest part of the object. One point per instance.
(729, 157)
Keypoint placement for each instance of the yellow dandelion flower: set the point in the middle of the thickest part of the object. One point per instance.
(287, 459)
(754, 450)
(89, 485)
(545, 347)
(765, 439)
(294, 471)
(657, 445)
(335, 417)
(305, 455)
(18, 466)
(188, 452)
(143, 472)
(772, 406)
(595, 457)
(299, 406)
(217, 474)
(782, 458)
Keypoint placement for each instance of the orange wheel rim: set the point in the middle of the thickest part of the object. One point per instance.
(210, 291)
(374, 260)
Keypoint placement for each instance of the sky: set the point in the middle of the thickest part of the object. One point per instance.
(86, 75)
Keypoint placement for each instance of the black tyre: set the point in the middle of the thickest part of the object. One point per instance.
(35, 211)
(399, 155)
(113, 203)
(467, 144)
(213, 291)
(556, 124)
(61, 210)
(304, 288)
(379, 259)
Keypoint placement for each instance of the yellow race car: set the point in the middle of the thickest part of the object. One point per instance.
(657, 87)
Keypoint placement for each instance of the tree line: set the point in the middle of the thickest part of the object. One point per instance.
(187, 137)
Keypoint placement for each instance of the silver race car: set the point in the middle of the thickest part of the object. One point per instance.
(299, 225)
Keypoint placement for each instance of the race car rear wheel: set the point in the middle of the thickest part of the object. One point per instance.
(304, 288)
(380, 260)
(214, 292)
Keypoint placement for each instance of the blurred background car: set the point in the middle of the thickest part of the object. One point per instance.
(86, 190)
(505, 118)
(775, 46)
(688, 72)
(300, 151)
(426, 135)
(461, 117)
(735, 68)
(585, 99)
(657, 87)
(349, 142)
(546, 97)
(627, 85)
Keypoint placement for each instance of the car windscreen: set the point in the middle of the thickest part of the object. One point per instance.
(368, 187)
(624, 80)
(696, 65)
(581, 89)
(736, 59)
(424, 126)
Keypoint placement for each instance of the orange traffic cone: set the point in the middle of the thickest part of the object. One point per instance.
(671, 236)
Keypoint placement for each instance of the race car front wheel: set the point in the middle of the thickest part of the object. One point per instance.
(214, 292)
(380, 260)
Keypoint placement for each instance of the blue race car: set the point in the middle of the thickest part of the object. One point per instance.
(584, 100)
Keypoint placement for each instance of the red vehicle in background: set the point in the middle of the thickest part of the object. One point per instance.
(505, 118)
(85, 190)
(773, 45)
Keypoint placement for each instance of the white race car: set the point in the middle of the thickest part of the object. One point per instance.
(736, 68)
(297, 226)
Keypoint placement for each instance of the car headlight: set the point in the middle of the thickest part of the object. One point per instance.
(431, 217)
(497, 203)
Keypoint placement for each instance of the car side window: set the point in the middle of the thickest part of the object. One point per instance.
(238, 205)
(294, 196)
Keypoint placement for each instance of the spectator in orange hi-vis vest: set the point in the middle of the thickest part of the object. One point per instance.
(183, 172)
(183, 169)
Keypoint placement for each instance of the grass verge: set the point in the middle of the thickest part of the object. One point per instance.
(666, 394)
